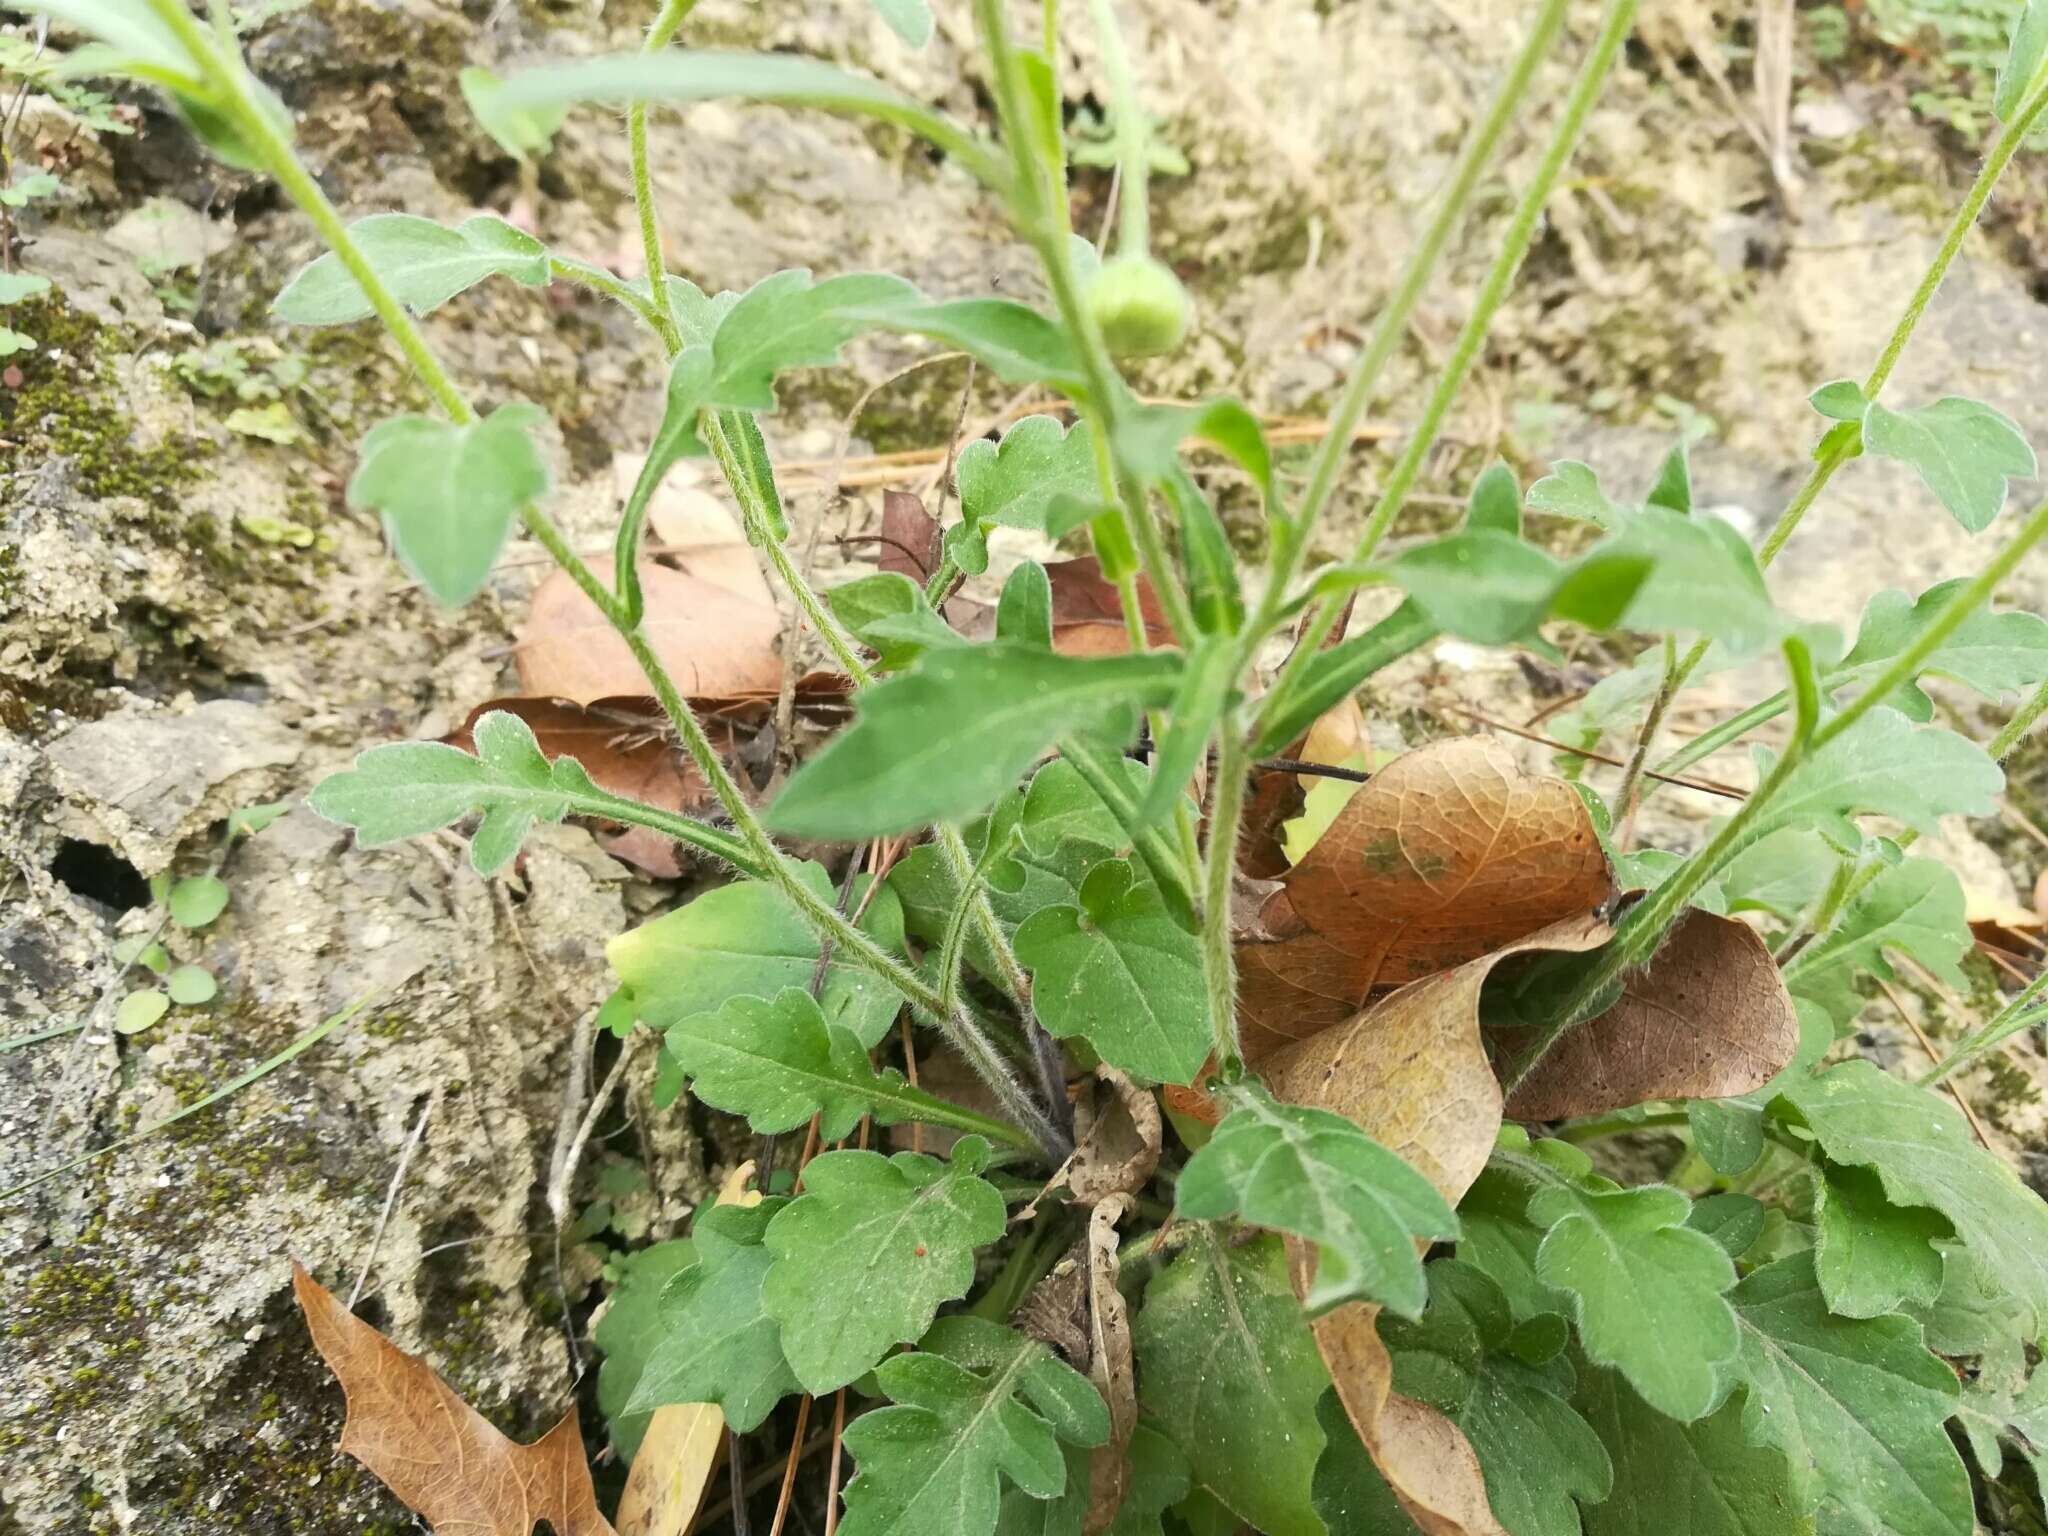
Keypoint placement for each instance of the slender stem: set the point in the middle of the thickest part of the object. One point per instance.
(596, 277)
(1493, 292)
(1100, 771)
(2010, 1020)
(1219, 952)
(1133, 154)
(1625, 796)
(1474, 159)
(1840, 450)
(666, 22)
(1038, 210)
(1620, 1125)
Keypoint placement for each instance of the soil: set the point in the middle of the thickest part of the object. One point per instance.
(192, 620)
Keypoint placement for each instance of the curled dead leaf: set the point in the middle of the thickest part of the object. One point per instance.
(1708, 1018)
(1111, 1365)
(434, 1451)
(1275, 796)
(1425, 1458)
(1448, 854)
(1412, 1069)
(1118, 1133)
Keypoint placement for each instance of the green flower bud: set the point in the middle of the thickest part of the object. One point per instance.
(1140, 306)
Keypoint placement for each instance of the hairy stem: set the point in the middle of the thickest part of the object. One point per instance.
(659, 34)
(1625, 796)
(1474, 160)
(1219, 955)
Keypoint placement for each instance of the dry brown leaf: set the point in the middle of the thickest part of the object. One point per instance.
(1708, 1018)
(1412, 1069)
(684, 1441)
(1275, 796)
(434, 1451)
(911, 542)
(1449, 853)
(677, 1457)
(714, 641)
(1427, 1461)
(1111, 1366)
(1088, 612)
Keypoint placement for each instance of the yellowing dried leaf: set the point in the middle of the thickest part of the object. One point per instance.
(1425, 1458)
(1449, 853)
(1412, 1069)
(713, 640)
(683, 1442)
(1709, 1018)
(434, 1451)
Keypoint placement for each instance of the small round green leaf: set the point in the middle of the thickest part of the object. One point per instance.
(139, 1010)
(191, 985)
(198, 901)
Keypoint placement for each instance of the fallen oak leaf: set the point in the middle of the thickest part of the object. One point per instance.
(442, 1458)
(1448, 854)
(1708, 1018)
(1088, 611)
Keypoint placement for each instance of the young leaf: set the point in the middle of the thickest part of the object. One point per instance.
(197, 901)
(1883, 765)
(1857, 1406)
(680, 75)
(1701, 1479)
(2017, 78)
(942, 741)
(1916, 908)
(1571, 489)
(1923, 1154)
(1489, 586)
(778, 1062)
(747, 939)
(1319, 1176)
(1964, 450)
(1990, 652)
(1702, 578)
(424, 264)
(1870, 1256)
(1537, 1455)
(1060, 808)
(449, 494)
(974, 1406)
(1014, 340)
(910, 20)
(140, 1010)
(191, 985)
(714, 1341)
(1840, 400)
(629, 1332)
(522, 134)
(1024, 609)
(1118, 970)
(1673, 490)
(1012, 483)
(1646, 1289)
(888, 613)
(898, 1233)
(1496, 501)
(786, 321)
(1227, 1370)
(1733, 1221)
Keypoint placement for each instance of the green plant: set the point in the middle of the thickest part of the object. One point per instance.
(1771, 1340)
